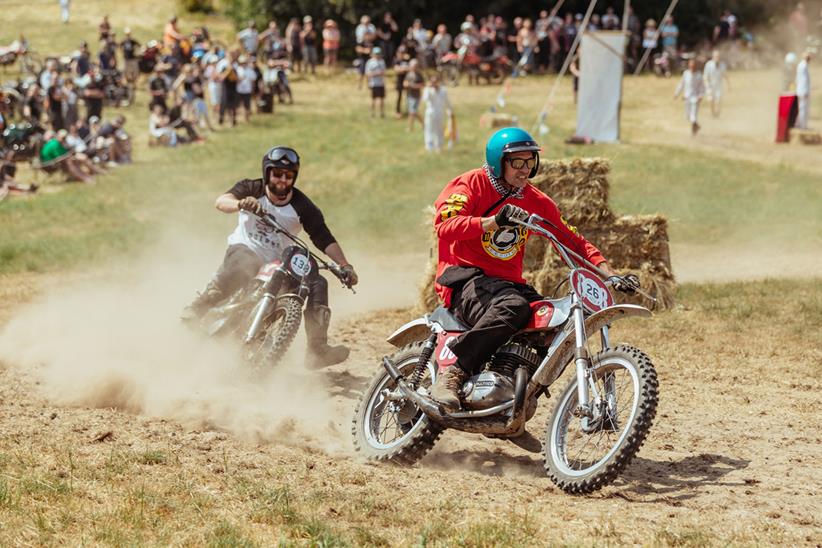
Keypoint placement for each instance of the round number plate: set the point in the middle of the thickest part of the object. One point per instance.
(592, 292)
(300, 264)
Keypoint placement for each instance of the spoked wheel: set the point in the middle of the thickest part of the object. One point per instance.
(277, 335)
(583, 454)
(389, 428)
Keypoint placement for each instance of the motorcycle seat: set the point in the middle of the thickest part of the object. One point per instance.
(447, 320)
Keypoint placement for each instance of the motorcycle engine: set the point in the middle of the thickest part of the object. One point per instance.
(495, 385)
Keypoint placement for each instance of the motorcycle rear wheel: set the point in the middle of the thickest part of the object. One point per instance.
(582, 456)
(280, 330)
(395, 431)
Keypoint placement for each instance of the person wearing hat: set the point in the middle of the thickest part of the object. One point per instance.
(309, 39)
(331, 43)
(375, 73)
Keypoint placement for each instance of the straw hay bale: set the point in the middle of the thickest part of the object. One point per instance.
(808, 136)
(637, 244)
(492, 120)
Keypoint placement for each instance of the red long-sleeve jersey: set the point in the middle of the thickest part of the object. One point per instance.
(499, 253)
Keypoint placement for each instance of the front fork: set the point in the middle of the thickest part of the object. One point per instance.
(269, 300)
(582, 361)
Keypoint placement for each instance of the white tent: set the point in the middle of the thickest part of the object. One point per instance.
(600, 85)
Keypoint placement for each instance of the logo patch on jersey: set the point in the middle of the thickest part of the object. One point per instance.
(453, 205)
(570, 227)
(504, 243)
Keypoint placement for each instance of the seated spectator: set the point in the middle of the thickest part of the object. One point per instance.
(54, 154)
(120, 142)
(8, 169)
(178, 119)
(159, 127)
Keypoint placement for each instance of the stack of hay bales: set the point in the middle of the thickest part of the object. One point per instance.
(637, 244)
(492, 120)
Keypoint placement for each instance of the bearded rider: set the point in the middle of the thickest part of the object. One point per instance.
(254, 243)
(481, 249)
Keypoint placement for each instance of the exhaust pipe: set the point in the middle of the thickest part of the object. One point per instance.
(425, 404)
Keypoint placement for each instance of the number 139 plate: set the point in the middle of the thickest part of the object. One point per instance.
(592, 292)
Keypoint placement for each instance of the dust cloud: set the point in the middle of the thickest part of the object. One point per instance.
(114, 340)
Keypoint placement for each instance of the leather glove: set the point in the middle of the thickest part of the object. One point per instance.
(508, 213)
(250, 204)
(626, 284)
(350, 275)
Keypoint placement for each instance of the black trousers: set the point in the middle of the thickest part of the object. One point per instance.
(241, 264)
(496, 309)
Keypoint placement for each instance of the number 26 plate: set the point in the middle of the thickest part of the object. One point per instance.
(592, 292)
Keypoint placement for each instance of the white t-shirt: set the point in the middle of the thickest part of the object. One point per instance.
(247, 76)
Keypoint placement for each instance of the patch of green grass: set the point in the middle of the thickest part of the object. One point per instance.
(228, 535)
(152, 457)
(683, 538)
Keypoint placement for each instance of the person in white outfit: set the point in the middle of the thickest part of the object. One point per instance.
(64, 10)
(437, 108)
(715, 74)
(803, 90)
(692, 89)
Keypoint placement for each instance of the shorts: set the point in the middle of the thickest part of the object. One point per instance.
(413, 105)
(378, 92)
(245, 100)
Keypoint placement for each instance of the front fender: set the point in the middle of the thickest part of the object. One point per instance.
(415, 330)
(553, 366)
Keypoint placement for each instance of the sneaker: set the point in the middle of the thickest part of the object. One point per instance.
(447, 386)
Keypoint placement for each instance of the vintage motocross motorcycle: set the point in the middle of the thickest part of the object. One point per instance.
(266, 313)
(599, 421)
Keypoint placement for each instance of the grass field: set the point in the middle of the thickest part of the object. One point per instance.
(118, 428)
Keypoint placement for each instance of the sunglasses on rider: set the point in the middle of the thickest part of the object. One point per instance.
(279, 153)
(519, 163)
(287, 173)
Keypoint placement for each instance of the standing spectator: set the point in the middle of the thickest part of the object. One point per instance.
(670, 37)
(714, 75)
(610, 21)
(442, 41)
(414, 82)
(272, 41)
(635, 37)
(542, 27)
(107, 58)
(172, 36)
(386, 34)
(54, 107)
(331, 43)
(214, 85)
(593, 23)
(227, 69)
(93, 94)
(375, 72)
(70, 98)
(526, 48)
(246, 78)
(33, 105)
(692, 89)
(249, 38)
(803, 90)
(104, 28)
(199, 107)
(82, 63)
(511, 39)
(49, 76)
(363, 51)
(308, 37)
(65, 5)
(158, 89)
(437, 108)
(401, 64)
(649, 35)
(569, 34)
(294, 44)
(130, 47)
(364, 28)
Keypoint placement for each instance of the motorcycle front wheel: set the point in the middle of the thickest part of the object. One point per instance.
(279, 331)
(583, 454)
(386, 428)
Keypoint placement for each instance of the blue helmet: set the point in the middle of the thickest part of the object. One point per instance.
(505, 141)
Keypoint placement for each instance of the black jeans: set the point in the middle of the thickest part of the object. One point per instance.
(496, 309)
(241, 264)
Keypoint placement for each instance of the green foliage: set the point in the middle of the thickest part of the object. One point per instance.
(196, 6)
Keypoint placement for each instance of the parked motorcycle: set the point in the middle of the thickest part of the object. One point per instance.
(600, 418)
(266, 313)
(493, 69)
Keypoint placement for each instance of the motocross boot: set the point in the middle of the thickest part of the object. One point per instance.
(319, 353)
(447, 386)
(205, 300)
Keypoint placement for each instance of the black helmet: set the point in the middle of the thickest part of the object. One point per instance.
(281, 157)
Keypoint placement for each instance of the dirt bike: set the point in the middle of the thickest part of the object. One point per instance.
(600, 419)
(266, 313)
(493, 69)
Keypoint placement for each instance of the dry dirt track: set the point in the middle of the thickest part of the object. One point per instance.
(734, 456)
